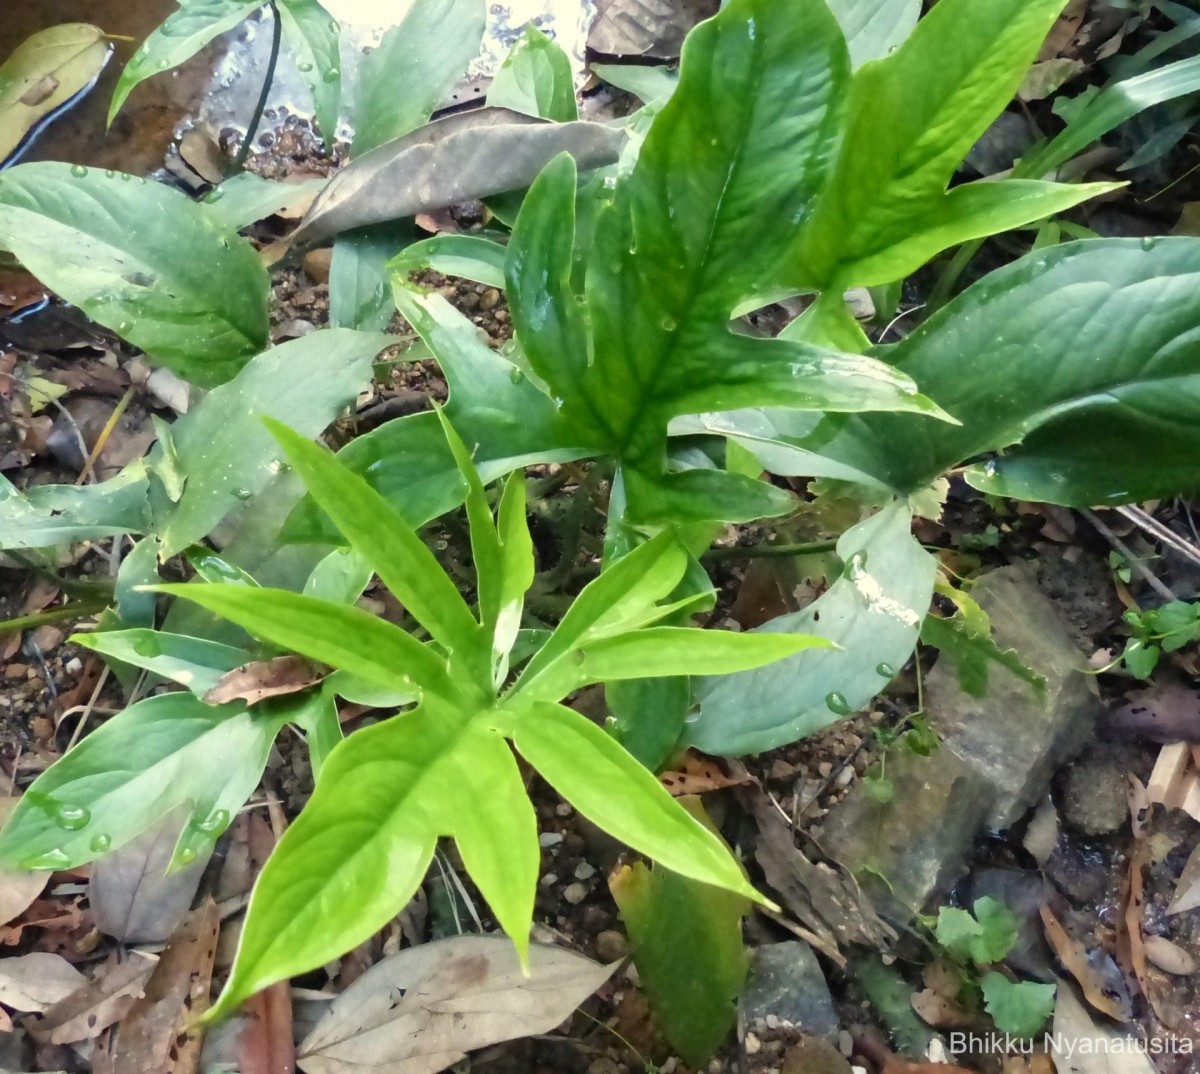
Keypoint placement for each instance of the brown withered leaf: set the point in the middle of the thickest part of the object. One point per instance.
(265, 1044)
(37, 980)
(1097, 974)
(697, 774)
(1167, 711)
(156, 1032)
(99, 1004)
(18, 887)
(261, 679)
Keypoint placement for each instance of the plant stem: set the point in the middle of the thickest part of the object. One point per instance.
(268, 78)
(763, 551)
(55, 615)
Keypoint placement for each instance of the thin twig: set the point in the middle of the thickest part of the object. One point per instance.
(105, 433)
(765, 551)
(1147, 522)
(268, 78)
(1135, 563)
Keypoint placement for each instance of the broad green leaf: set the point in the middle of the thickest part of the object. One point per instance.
(965, 639)
(687, 947)
(42, 76)
(334, 634)
(875, 28)
(317, 715)
(654, 85)
(359, 296)
(138, 568)
(658, 651)
(215, 568)
(536, 79)
(1019, 1008)
(48, 515)
(179, 38)
(222, 448)
(141, 259)
(586, 766)
(415, 66)
(911, 118)
(246, 198)
(341, 576)
(470, 256)
(873, 611)
(313, 36)
(154, 756)
(984, 936)
(191, 662)
(392, 548)
(1119, 419)
(648, 716)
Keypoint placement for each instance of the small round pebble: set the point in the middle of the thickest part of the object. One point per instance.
(575, 893)
(611, 945)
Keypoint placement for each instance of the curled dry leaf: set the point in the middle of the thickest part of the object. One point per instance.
(154, 1034)
(1167, 711)
(36, 981)
(462, 157)
(426, 1007)
(1187, 891)
(266, 1044)
(101, 1002)
(1098, 976)
(261, 679)
(698, 774)
(646, 27)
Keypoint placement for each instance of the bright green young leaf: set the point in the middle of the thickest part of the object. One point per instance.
(873, 611)
(536, 79)
(586, 766)
(313, 35)
(223, 450)
(179, 38)
(191, 662)
(415, 66)
(141, 259)
(393, 549)
(341, 576)
(152, 757)
(334, 634)
(687, 946)
(965, 639)
(911, 118)
(1019, 1008)
(470, 256)
(317, 716)
(1119, 420)
(984, 936)
(43, 74)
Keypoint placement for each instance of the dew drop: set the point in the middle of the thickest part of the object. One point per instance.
(123, 326)
(52, 859)
(78, 170)
(216, 194)
(100, 843)
(334, 26)
(71, 818)
(516, 376)
(186, 855)
(216, 823)
(332, 75)
(886, 670)
(242, 494)
(837, 703)
(1148, 243)
(304, 68)
(163, 65)
(579, 656)
(110, 173)
(125, 177)
(669, 324)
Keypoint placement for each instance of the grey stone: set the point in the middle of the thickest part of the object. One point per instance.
(919, 840)
(785, 980)
(1013, 736)
(1094, 800)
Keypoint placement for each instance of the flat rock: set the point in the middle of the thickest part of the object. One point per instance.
(786, 982)
(1014, 737)
(1094, 799)
(919, 840)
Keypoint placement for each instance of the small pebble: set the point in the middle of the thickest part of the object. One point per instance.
(752, 1044)
(575, 893)
(16, 671)
(563, 809)
(611, 946)
(317, 263)
(74, 666)
(584, 871)
(604, 1065)
(772, 1021)
(595, 919)
(549, 839)
(548, 880)
(489, 299)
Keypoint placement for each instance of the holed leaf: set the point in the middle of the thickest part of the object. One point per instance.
(312, 35)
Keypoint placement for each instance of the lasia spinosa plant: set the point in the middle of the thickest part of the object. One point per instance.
(443, 767)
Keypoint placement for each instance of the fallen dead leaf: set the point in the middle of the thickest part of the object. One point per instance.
(424, 1008)
(261, 679)
(154, 1034)
(1075, 1026)
(18, 887)
(37, 980)
(1098, 976)
(265, 1045)
(645, 27)
(1187, 891)
(698, 774)
(1166, 712)
(99, 1004)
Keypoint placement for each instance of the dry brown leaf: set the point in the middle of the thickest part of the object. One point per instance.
(1109, 1051)
(1187, 891)
(97, 1005)
(18, 887)
(1100, 988)
(154, 1034)
(424, 1008)
(261, 679)
(36, 981)
(265, 1044)
(698, 774)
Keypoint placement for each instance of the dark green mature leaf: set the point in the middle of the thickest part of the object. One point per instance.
(156, 755)
(874, 28)
(359, 296)
(44, 72)
(470, 256)
(143, 260)
(873, 611)
(313, 36)
(464, 156)
(911, 118)
(413, 69)
(536, 79)
(687, 946)
(58, 514)
(1114, 322)
(180, 37)
(222, 450)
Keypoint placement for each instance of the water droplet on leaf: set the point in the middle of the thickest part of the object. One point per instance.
(516, 376)
(71, 818)
(242, 494)
(332, 75)
(1149, 243)
(78, 170)
(100, 843)
(216, 194)
(216, 823)
(837, 703)
(886, 670)
(304, 67)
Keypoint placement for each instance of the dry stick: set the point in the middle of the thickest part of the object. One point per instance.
(1147, 522)
(1135, 564)
(105, 433)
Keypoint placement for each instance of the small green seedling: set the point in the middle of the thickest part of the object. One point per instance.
(1158, 631)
